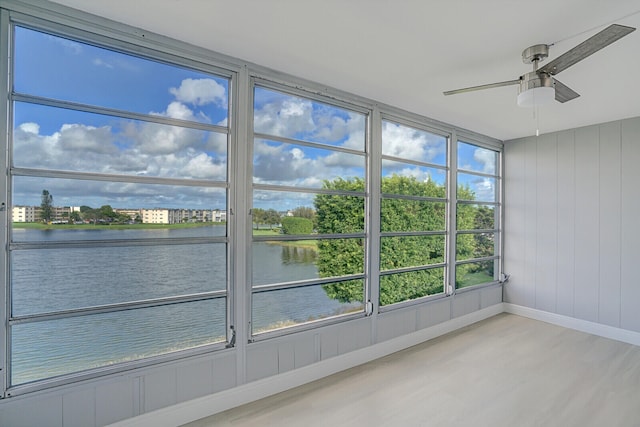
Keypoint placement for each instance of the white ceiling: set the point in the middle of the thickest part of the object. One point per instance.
(405, 53)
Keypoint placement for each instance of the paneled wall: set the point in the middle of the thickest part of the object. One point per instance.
(572, 223)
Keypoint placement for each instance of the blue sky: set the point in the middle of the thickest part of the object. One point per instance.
(61, 139)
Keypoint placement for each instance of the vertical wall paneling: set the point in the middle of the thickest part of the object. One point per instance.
(194, 380)
(566, 192)
(395, 323)
(224, 371)
(262, 360)
(587, 220)
(328, 344)
(114, 401)
(79, 408)
(530, 223)
(286, 357)
(591, 196)
(490, 296)
(514, 259)
(41, 411)
(609, 197)
(160, 389)
(546, 222)
(630, 249)
(304, 351)
(435, 312)
(465, 303)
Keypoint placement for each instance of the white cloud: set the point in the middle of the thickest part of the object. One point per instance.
(82, 139)
(200, 92)
(30, 127)
(98, 62)
(72, 47)
(407, 143)
(285, 117)
(486, 158)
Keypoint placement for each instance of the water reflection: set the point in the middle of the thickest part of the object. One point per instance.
(298, 255)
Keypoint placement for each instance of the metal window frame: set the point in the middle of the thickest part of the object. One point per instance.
(307, 93)
(11, 19)
(498, 213)
(423, 125)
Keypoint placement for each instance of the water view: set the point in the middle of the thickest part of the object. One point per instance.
(47, 280)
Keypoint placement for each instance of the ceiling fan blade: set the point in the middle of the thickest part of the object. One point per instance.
(563, 92)
(588, 47)
(481, 87)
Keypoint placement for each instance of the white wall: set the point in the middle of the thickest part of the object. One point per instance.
(572, 223)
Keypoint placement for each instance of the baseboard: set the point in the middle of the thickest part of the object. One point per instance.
(593, 328)
(195, 409)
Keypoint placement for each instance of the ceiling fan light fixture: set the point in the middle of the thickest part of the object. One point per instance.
(536, 96)
(536, 89)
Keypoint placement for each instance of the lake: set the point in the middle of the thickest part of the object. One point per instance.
(46, 280)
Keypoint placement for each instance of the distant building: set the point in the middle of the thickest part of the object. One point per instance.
(131, 213)
(155, 216)
(25, 214)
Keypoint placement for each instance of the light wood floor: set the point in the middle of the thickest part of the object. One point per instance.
(504, 371)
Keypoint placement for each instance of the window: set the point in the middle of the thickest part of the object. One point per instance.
(118, 183)
(309, 181)
(144, 184)
(412, 214)
(477, 215)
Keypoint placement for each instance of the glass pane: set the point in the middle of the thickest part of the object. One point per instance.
(475, 217)
(56, 347)
(57, 138)
(400, 287)
(475, 273)
(329, 213)
(278, 163)
(410, 251)
(87, 74)
(278, 261)
(116, 208)
(69, 278)
(414, 144)
(477, 159)
(280, 114)
(289, 261)
(475, 246)
(476, 187)
(412, 215)
(288, 307)
(408, 179)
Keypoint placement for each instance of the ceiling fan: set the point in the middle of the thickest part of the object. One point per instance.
(539, 86)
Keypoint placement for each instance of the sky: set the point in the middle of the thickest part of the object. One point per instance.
(62, 139)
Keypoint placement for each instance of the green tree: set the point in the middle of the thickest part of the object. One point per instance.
(106, 213)
(75, 216)
(304, 212)
(336, 214)
(46, 206)
(295, 225)
(271, 217)
(259, 217)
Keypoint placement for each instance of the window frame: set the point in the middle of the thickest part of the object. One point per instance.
(12, 20)
(306, 92)
(497, 204)
(419, 124)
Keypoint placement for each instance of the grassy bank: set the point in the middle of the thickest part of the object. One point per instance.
(310, 244)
